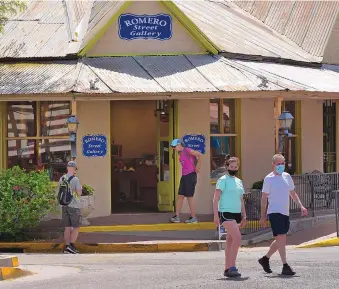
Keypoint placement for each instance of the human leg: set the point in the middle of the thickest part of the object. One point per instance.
(67, 235)
(228, 251)
(190, 183)
(67, 223)
(280, 225)
(180, 201)
(191, 205)
(75, 217)
(233, 234)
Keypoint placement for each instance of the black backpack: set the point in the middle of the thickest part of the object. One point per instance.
(65, 195)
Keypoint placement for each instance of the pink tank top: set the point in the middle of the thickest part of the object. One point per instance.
(187, 162)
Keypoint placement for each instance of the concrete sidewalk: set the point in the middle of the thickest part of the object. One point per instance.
(307, 235)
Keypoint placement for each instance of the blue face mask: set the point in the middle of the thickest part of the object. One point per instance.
(280, 169)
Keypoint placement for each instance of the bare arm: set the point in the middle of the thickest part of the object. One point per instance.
(79, 192)
(78, 187)
(296, 199)
(216, 199)
(243, 210)
(198, 155)
(263, 205)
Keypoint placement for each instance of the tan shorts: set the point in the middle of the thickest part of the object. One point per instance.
(71, 217)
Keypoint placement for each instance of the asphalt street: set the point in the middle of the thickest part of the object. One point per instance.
(316, 268)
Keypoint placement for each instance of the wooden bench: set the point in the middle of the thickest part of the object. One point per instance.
(323, 188)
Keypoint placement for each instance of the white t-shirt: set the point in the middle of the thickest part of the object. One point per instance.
(278, 188)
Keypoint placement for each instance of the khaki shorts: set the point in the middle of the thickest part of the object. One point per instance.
(71, 217)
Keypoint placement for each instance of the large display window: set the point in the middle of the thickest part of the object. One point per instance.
(223, 134)
(37, 136)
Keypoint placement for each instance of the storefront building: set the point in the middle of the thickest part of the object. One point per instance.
(143, 73)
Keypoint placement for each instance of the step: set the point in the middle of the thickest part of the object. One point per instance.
(9, 261)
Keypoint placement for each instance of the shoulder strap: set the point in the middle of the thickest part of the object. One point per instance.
(70, 179)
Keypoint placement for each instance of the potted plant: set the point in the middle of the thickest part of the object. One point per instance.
(258, 185)
(87, 203)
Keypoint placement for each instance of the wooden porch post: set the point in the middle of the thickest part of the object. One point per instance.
(74, 108)
(277, 112)
(74, 113)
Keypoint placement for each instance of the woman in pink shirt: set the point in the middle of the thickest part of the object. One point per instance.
(190, 161)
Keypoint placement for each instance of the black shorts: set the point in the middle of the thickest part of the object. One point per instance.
(227, 216)
(187, 185)
(280, 224)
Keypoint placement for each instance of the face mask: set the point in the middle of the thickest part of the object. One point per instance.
(280, 169)
(232, 173)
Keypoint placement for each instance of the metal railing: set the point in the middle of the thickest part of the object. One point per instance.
(318, 192)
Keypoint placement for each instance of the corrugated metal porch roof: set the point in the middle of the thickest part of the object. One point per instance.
(163, 74)
(235, 31)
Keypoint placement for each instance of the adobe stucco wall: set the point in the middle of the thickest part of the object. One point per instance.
(194, 117)
(257, 139)
(111, 43)
(94, 118)
(312, 135)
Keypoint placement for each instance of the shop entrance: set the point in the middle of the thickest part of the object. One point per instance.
(142, 165)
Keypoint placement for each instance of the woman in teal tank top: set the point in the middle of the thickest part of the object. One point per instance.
(229, 211)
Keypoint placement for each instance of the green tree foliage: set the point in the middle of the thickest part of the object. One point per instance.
(9, 8)
(25, 197)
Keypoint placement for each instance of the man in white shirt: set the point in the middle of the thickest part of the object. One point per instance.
(278, 187)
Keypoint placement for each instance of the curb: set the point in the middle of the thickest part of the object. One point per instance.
(9, 261)
(9, 268)
(7, 273)
(325, 243)
(158, 227)
(115, 247)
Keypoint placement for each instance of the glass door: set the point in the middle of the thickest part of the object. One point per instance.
(165, 160)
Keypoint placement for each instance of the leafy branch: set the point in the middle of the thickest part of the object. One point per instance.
(9, 8)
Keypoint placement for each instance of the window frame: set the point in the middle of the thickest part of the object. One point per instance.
(38, 137)
(235, 116)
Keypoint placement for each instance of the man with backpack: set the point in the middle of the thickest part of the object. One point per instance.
(69, 198)
(190, 161)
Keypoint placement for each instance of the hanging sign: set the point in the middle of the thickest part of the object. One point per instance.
(94, 145)
(133, 26)
(195, 142)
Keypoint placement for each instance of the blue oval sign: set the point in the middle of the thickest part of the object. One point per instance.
(196, 142)
(133, 26)
(94, 145)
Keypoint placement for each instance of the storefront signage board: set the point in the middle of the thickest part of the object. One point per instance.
(133, 26)
(94, 145)
(196, 142)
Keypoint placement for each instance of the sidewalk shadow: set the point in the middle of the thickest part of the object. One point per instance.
(234, 279)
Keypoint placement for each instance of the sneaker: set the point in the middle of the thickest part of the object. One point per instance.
(287, 270)
(265, 263)
(69, 250)
(175, 219)
(232, 272)
(74, 248)
(226, 272)
(191, 220)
